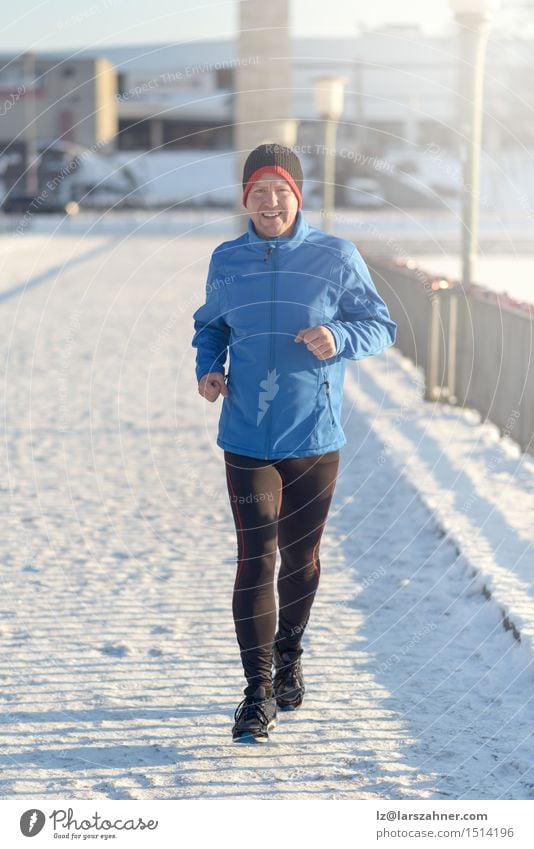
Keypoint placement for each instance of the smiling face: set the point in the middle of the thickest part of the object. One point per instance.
(273, 206)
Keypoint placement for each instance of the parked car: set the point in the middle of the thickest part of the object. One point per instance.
(18, 203)
(364, 192)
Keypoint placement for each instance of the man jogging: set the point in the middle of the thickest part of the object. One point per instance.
(291, 304)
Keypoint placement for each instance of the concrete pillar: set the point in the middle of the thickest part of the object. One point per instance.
(263, 99)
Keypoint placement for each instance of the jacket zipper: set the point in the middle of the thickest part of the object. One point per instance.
(270, 252)
(327, 385)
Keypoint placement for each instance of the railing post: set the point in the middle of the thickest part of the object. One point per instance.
(452, 347)
(432, 391)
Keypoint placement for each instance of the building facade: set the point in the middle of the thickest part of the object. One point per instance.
(57, 99)
(401, 93)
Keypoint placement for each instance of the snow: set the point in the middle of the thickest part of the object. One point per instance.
(478, 486)
(119, 666)
(505, 264)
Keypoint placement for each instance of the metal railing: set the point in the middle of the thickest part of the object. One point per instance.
(476, 347)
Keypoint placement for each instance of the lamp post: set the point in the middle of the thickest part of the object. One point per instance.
(329, 95)
(30, 125)
(473, 17)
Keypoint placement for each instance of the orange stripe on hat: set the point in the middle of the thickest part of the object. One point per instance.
(278, 170)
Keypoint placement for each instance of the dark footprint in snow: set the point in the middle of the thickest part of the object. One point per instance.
(161, 629)
(165, 575)
(142, 780)
(115, 650)
(111, 791)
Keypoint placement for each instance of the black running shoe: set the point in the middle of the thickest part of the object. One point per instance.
(255, 716)
(288, 682)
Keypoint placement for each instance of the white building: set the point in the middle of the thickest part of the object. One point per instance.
(401, 91)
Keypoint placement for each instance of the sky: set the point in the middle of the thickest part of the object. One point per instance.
(52, 24)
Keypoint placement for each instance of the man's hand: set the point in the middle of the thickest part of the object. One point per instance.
(319, 340)
(212, 385)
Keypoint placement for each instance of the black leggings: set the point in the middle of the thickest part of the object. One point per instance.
(284, 504)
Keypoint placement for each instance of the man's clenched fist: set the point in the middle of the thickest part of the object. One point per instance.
(212, 385)
(319, 340)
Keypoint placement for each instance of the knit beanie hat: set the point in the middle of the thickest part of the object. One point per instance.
(273, 157)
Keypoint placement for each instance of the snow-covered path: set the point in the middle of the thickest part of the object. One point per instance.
(119, 668)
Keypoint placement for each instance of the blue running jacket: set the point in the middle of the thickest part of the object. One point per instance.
(283, 401)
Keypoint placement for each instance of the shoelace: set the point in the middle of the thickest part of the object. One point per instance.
(250, 710)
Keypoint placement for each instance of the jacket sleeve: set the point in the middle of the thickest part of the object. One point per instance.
(365, 326)
(211, 330)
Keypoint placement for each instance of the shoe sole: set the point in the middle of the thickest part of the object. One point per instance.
(249, 737)
(288, 705)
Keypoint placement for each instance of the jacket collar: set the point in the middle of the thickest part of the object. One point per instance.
(300, 231)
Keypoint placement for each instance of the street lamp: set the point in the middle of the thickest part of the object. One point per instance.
(473, 17)
(328, 94)
(31, 179)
